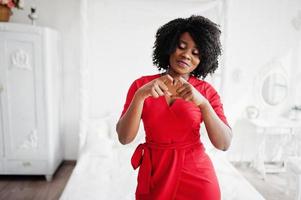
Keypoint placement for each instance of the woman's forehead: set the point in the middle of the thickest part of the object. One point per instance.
(186, 38)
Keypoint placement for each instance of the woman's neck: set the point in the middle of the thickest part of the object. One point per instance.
(176, 75)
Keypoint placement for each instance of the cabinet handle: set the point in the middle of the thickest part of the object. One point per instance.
(26, 164)
(1, 88)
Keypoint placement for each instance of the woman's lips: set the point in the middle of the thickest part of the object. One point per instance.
(182, 63)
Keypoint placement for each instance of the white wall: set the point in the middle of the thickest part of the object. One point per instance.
(121, 36)
(258, 32)
(261, 37)
(63, 16)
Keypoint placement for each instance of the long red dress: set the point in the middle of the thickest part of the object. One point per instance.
(173, 163)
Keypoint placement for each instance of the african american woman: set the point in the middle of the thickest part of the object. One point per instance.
(173, 164)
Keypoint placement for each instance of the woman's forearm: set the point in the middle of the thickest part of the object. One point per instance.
(128, 125)
(219, 133)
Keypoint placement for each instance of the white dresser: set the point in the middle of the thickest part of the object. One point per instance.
(279, 139)
(30, 82)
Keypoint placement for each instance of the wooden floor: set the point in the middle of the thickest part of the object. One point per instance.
(273, 188)
(35, 187)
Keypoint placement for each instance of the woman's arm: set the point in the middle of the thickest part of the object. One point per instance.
(128, 125)
(219, 133)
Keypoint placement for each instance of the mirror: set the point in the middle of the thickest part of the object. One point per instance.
(274, 88)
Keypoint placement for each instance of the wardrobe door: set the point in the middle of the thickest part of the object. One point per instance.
(23, 113)
(1, 105)
(1, 130)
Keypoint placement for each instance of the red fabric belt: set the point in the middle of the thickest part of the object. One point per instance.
(141, 157)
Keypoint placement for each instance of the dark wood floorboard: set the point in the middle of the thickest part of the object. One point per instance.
(35, 187)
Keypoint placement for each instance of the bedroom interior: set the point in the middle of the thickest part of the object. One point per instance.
(62, 90)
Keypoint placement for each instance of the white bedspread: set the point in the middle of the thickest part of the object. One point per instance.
(109, 178)
(103, 171)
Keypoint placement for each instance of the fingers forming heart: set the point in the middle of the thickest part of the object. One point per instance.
(173, 86)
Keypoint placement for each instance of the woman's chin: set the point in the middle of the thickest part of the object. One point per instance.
(179, 71)
(182, 71)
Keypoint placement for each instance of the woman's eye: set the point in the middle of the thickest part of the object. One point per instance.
(181, 46)
(195, 53)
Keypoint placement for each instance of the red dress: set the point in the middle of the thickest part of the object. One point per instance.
(172, 162)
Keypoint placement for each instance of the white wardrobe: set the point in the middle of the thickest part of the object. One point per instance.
(30, 82)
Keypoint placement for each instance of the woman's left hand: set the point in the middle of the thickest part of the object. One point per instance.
(187, 92)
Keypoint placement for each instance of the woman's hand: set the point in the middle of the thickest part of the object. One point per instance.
(155, 88)
(187, 92)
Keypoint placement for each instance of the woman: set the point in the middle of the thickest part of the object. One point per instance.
(172, 105)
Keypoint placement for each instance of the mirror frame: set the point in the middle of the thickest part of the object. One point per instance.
(269, 83)
(264, 73)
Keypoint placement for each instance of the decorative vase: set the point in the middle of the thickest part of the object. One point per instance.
(5, 13)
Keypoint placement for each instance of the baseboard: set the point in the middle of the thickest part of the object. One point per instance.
(69, 162)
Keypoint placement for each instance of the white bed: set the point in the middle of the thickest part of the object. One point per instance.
(103, 170)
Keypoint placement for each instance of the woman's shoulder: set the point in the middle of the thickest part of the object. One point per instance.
(150, 77)
(199, 82)
(202, 85)
(145, 79)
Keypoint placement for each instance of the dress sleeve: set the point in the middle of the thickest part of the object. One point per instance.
(215, 101)
(131, 92)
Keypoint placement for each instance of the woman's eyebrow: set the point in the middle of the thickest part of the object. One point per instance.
(183, 41)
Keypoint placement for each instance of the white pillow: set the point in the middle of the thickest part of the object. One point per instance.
(205, 139)
(100, 125)
(97, 140)
(112, 121)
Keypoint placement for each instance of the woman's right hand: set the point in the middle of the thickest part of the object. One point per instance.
(155, 88)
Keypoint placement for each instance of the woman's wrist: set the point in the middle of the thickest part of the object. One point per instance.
(139, 96)
(204, 105)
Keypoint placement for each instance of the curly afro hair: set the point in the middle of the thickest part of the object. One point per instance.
(205, 34)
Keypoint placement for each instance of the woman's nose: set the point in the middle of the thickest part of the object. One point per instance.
(186, 54)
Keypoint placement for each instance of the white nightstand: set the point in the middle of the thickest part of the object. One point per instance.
(278, 141)
(293, 165)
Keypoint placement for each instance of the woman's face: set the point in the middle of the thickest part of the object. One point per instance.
(185, 58)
